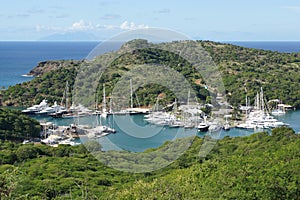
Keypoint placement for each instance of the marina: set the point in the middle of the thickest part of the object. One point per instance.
(150, 129)
(133, 133)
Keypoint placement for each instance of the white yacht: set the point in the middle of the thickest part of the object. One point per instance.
(51, 109)
(260, 118)
(204, 125)
(278, 112)
(36, 108)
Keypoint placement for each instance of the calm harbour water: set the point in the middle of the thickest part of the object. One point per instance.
(18, 58)
(135, 134)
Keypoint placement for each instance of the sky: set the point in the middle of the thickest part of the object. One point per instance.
(231, 20)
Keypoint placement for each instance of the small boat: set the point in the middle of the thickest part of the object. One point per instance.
(226, 127)
(99, 131)
(69, 141)
(203, 126)
(278, 112)
(214, 127)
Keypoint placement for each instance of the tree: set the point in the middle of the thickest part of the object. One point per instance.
(8, 182)
(93, 146)
(25, 152)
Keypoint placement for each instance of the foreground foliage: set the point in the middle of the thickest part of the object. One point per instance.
(15, 126)
(260, 166)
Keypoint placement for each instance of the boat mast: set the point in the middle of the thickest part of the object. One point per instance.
(131, 94)
(104, 100)
(110, 105)
(175, 107)
(96, 108)
(246, 106)
(188, 99)
(66, 94)
(257, 102)
(262, 99)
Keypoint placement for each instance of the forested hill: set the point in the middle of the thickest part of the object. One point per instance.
(248, 69)
(260, 166)
(244, 71)
(16, 127)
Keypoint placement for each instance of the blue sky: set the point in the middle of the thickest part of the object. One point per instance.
(218, 20)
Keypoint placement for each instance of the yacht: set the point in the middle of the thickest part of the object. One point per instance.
(36, 108)
(51, 109)
(278, 112)
(204, 125)
(260, 118)
(226, 126)
(77, 111)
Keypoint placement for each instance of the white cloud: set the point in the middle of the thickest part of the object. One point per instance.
(81, 25)
(131, 26)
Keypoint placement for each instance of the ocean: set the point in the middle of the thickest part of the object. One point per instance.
(18, 58)
(281, 46)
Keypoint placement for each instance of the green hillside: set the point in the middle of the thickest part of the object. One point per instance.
(243, 70)
(260, 166)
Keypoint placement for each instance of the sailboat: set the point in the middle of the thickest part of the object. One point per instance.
(279, 110)
(226, 126)
(260, 118)
(104, 111)
(62, 109)
(99, 130)
(131, 110)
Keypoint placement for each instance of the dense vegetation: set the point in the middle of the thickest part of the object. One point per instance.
(17, 127)
(50, 85)
(244, 71)
(260, 166)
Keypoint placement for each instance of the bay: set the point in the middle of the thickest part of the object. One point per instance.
(135, 134)
(18, 58)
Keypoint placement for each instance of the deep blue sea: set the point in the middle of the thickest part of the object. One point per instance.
(286, 47)
(18, 58)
